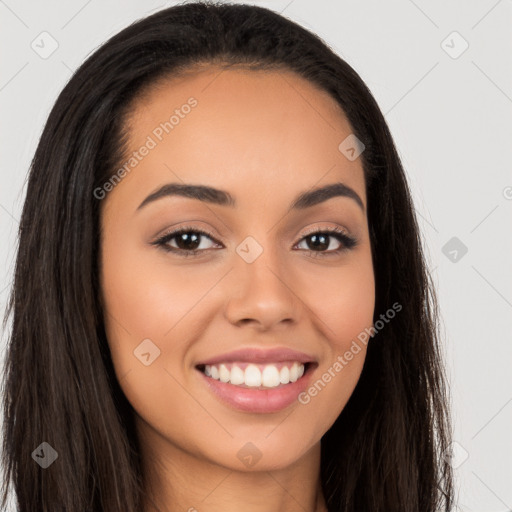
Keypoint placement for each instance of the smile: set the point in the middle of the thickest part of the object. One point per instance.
(257, 388)
(262, 376)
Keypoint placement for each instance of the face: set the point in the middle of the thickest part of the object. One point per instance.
(261, 283)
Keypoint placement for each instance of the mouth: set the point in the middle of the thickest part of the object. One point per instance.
(267, 376)
(256, 387)
(256, 380)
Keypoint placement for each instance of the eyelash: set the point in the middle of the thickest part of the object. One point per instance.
(347, 242)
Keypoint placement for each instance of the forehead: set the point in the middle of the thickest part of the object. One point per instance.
(243, 130)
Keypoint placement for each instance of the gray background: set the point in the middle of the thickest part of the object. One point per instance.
(449, 112)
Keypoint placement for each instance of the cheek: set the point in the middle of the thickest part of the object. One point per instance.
(138, 307)
(145, 300)
(343, 303)
(144, 296)
(343, 299)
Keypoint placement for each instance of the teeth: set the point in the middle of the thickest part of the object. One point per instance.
(254, 376)
(294, 372)
(284, 375)
(224, 373)
(270, 377)
(237, 376)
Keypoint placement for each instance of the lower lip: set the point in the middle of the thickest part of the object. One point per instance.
(258, 400)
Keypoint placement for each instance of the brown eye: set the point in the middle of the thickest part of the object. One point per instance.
(186, 241)
(319, 242)
(325, 241)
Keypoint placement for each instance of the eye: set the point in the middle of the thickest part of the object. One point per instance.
(329, 241)
(185, 241)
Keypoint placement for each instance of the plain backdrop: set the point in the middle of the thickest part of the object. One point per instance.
(441, 73)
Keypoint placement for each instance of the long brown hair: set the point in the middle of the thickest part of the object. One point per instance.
(385, 451)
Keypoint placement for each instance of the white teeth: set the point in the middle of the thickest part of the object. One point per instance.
(268, 376)
(252, 376)
(224, 373)
(294, 372)
(237, 376)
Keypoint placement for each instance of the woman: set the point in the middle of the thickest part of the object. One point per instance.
(220, 297)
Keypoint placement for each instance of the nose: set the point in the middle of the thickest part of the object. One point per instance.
(261, 294)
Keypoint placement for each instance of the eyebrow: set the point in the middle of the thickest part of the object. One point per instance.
(223, 198)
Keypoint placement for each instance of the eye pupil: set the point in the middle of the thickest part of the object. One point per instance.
(188, 241)
(318, 241)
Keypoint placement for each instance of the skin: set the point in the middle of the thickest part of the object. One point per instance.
(264, 137)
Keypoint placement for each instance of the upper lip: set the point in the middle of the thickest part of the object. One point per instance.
(258, 355)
